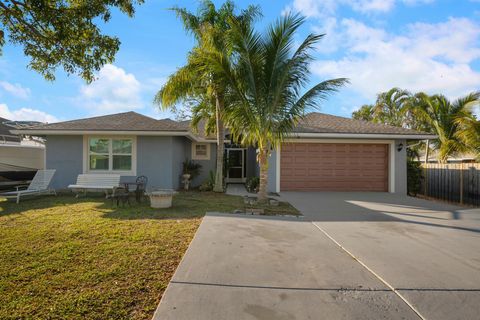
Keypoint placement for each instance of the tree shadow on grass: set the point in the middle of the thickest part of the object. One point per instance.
(185, 205)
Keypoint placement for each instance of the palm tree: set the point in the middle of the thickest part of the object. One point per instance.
(194, 80)
(365, 113)
(446, 119)
(267, 76)
(390, 107)
(469, 127)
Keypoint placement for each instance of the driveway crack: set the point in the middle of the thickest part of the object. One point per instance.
(395, 291)
(343, 289)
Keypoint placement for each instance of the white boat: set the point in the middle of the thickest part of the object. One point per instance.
(20, 157)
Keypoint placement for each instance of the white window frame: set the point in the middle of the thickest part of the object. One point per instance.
(200, 157)
(86, 155)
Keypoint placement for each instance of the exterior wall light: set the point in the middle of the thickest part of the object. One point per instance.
(400, 147)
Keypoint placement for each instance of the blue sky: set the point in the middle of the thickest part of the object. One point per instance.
(428, 45)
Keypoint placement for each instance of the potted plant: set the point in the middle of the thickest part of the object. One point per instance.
(190, 171)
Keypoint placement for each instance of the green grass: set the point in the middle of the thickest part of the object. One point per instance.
(67, 258)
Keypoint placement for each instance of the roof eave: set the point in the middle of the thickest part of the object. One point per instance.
(111, 133)
(409, 136)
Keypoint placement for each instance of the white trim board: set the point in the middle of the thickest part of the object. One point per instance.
(364, 136)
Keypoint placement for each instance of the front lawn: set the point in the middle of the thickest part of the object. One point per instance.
(67, 258)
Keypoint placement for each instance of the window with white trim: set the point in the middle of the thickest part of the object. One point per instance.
(200, 151)
(110, 154)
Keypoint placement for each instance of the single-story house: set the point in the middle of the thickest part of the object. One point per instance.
(324, 153)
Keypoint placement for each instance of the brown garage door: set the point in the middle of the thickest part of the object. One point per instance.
(334, 167)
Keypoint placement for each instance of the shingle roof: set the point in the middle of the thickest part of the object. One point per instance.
(5, 134)
(127, 121)
(131, 121)
(200, 130)
(325, 123)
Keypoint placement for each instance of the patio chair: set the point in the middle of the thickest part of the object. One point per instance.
(38, 186)
(142, 182)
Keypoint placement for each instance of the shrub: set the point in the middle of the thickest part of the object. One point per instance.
(414, 175)
(252, 184)
(191, 168)
(208, 184)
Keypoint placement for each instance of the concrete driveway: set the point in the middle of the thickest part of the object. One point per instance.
(429, 252)
(353, 256)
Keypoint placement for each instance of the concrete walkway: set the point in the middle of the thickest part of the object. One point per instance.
(428, 251)
(353, 256)
(249, 267)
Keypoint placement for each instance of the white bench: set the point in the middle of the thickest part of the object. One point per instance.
(96, 182)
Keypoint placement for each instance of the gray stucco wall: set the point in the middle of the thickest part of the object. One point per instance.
(401, 168)
(178, 157)
(154, 160)
(207, 165)
(158, 158)
(64, 153)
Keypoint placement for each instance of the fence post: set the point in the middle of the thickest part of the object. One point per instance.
(461, 183)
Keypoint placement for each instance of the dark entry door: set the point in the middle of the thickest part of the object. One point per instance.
(236, 165)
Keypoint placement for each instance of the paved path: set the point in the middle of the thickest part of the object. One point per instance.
(415, 259)
(240, 267)
(428, 251)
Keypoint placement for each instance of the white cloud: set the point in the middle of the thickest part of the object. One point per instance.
(322, 8)
(25, 114)
(114, 91)
(428, 57)
(15, 89)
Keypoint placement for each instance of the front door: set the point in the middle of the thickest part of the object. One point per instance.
(236, 165)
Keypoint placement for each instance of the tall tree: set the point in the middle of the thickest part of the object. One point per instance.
(268, 77)
(62, 33)
(390, 107)
(195, 80)
(469, 127)
(447, 120)
(365, 113)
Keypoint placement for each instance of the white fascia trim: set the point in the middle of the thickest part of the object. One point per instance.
(336, 140)
(100, 132)
(112, 133)
(363, 136)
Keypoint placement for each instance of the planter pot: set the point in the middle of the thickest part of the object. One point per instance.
(161, 199)
(186, 181)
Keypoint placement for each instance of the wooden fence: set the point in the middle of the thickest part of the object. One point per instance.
(458, 182)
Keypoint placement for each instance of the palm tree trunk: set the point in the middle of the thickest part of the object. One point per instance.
(219, 104)
(263, 162)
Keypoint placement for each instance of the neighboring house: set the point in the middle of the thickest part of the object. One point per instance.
(5, 135)
(459, 158)
(19, 158)
(325, 153)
